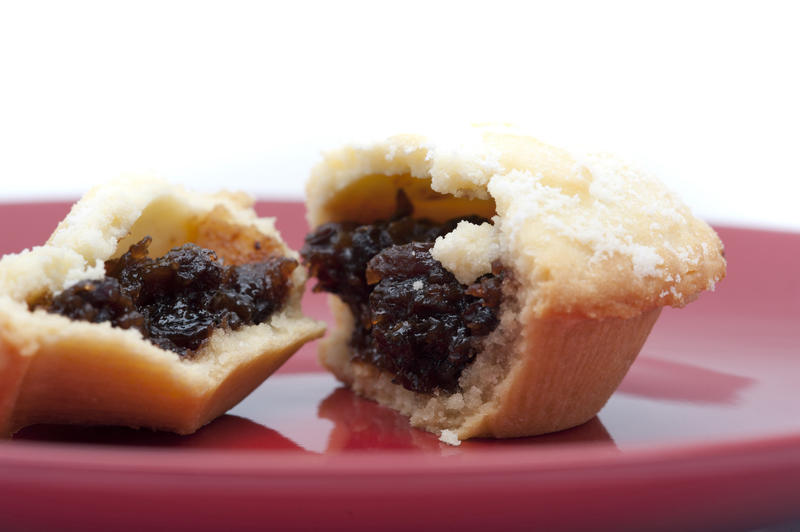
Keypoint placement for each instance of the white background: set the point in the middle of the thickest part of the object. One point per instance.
(240, 95)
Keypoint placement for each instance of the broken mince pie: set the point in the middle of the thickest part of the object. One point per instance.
(149, 306)
(494, 285)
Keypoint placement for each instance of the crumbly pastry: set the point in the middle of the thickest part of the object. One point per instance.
(55, 369)
(588, 249)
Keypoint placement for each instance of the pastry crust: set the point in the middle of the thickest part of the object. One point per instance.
(56, 370)
(594, 247)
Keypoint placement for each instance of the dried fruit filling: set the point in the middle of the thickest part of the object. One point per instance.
(413, 318)
(177, 300)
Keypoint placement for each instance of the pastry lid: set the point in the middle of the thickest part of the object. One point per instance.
(586, 235)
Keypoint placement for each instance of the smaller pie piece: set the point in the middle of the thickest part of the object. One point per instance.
(487, 284)
(149, 306)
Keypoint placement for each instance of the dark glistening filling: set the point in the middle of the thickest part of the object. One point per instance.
(413, 318)
(177, 300)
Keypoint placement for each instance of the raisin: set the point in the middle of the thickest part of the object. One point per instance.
(177, 300)
(97, 301)
(413, 318)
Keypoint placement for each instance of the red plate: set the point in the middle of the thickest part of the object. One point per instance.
(704, 433)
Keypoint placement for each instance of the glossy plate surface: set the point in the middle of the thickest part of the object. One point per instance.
(703, 433)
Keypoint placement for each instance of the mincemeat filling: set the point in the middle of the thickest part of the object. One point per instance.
(413, 318)
(177, 300)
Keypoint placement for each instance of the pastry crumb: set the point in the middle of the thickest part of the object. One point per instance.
(468, 251)
(449, 437)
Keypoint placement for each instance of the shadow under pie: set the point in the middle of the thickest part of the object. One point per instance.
(675, 381)
(226, 432)
(591, 432)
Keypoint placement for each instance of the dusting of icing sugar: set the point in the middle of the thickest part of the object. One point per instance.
(606, 192)
(417, 285)
(461, 159)
(646, 260)
(603, 229)
(615, 181)
(662, 209)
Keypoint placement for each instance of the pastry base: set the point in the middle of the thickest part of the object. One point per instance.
(556, 373)
(93, 374)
